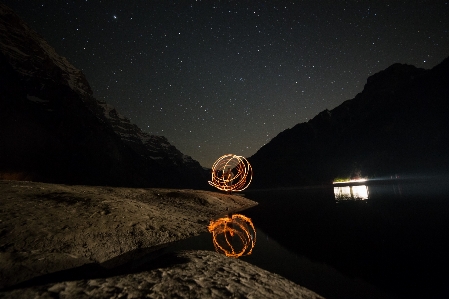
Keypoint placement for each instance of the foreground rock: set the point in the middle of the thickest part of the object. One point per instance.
(46, 228)
(191, 274)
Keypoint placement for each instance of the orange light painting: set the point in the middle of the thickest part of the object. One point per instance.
(233, 236)
(231, 173)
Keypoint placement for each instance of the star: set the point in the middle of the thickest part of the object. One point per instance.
(258, 64)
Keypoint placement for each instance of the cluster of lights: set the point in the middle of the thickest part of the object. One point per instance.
(231, 173)
(350, 181)
(233, 236)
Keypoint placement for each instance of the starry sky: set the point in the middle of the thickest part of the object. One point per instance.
(218, 77)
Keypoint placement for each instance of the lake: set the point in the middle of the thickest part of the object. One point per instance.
(378, 239)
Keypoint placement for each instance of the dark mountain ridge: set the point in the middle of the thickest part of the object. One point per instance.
(398, 124)
(53, 130)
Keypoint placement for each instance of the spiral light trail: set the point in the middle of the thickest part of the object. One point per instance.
(231, 173)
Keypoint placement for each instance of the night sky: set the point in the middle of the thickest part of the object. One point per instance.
(218, 77)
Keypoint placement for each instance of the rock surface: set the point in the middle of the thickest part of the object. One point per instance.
(46, 228)
(188, 274)
(62, 241)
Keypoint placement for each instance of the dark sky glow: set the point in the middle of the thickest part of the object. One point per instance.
(218, 77)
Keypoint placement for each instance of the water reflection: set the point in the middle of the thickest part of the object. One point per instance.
(343, 193)
(233, 236)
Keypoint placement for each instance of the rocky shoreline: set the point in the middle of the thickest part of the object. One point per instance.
(79, 241)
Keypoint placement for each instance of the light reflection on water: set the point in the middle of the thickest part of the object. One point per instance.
(273, 257)
(352, 249)
(389, 233)
(233, 236)
(359, 192)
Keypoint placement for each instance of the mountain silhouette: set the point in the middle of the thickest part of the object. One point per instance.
(398, 124)
(53, 130)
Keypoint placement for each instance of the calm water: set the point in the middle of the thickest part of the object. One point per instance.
(383, 239)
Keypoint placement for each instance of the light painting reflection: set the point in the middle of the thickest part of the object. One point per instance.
(233, 236)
